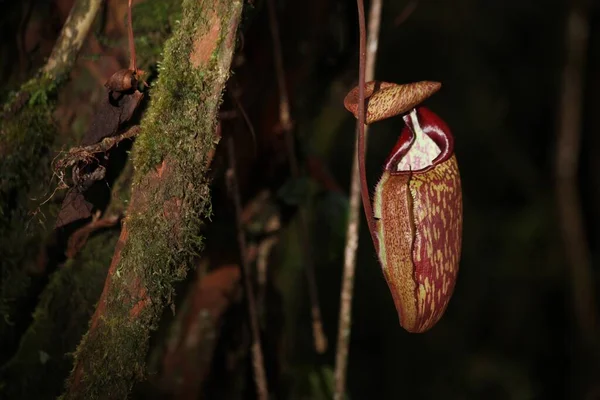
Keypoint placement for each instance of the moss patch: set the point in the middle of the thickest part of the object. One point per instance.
(25, 140)
(153, 22)
(41, 363)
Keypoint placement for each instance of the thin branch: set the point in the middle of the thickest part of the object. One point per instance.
(257, 356)
(262, 258)
(286, 124)
(358, 187)
(86, 153)
(567, 161)
(249, 125)
(364, 188)
(79, 238)
(71, 38)
(284, 105)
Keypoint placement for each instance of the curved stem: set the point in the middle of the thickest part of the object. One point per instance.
(572, 222)
(364, 188)
(132, 59)
(358, 188)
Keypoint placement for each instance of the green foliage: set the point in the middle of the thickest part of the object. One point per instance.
(153, 21)
(42, 91)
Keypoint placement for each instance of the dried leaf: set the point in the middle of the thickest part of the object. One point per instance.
(113, 111)
(74, 207)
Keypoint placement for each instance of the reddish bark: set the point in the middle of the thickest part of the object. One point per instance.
(187, 357)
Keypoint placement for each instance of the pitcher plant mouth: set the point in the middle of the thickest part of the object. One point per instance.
(425, 141)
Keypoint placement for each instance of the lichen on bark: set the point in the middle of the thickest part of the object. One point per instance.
(170, 197)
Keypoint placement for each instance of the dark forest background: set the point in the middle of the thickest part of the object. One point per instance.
(511, 330)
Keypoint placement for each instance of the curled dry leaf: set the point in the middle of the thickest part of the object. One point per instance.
(385, 99)
(74, 207)
(112, 113)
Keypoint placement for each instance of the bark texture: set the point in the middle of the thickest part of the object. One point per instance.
(170, 196)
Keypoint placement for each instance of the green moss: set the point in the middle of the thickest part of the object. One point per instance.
(42, 362)
(153, 22)
(40, 366)
(164, 224)
(25, 140)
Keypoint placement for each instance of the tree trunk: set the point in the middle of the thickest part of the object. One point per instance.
(170, 195)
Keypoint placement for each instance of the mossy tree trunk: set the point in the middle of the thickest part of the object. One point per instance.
(27, 133)
(42, 361)
(170, 195)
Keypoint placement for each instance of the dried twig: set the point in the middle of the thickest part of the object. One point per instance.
(86, 153)
(286, 124)
(242, 111)
(262, 258)
(366, 62)
(79, 238)
(257, 356)
(567, 161)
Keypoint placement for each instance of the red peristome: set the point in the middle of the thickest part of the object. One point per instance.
(434, 127)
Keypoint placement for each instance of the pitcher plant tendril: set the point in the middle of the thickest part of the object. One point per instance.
(345, 314)
(126, 79)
